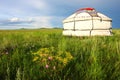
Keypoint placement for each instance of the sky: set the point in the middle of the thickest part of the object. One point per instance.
(16, 14)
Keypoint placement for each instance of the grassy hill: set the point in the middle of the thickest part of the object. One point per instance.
(44, 54)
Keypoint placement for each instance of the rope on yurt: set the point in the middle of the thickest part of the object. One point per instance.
(74, 21)
(92, 26)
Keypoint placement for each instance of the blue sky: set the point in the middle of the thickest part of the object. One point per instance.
(15, 14)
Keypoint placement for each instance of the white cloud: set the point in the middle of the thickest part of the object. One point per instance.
(15, 19)
(15, 22)
(37, 4)
(41, 21)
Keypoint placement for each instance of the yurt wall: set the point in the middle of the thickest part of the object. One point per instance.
(87, 22)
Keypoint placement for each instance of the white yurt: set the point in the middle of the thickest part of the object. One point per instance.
(87, 22)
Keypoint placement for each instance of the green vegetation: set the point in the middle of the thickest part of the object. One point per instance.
(45, 54)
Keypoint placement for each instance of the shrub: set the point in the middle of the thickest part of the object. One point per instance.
(52, 62)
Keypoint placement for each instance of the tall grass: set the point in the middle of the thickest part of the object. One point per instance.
(94, 58)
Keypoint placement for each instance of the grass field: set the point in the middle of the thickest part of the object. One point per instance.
(45, 54)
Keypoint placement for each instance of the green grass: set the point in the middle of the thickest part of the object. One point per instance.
(93, 58)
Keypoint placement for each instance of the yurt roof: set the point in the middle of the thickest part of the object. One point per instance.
(86, 14)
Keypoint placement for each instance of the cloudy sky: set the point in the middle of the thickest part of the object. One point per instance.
(16, 14)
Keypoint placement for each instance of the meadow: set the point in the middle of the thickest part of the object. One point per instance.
(45, 54)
